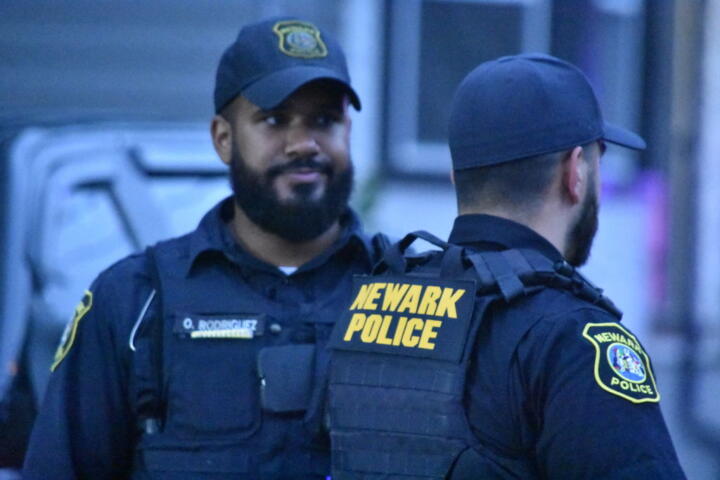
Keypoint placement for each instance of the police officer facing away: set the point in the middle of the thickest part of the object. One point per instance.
(494, 358)
(204, 356)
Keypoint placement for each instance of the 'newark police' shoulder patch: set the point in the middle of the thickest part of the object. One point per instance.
(68, 336)
(299, 39)
(621, 365)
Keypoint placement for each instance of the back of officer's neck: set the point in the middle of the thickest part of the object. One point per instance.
(274, 249)
(547, 220)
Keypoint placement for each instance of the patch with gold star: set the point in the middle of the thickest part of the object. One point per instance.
(300, 39)
(68, 336)
(621, 365)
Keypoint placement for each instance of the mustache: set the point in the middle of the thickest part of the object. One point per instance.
(311, 163)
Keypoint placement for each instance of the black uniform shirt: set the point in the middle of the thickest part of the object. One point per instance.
(86, 427)
(534, 395)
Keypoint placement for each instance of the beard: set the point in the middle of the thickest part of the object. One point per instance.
(582, 234)
(300, 219)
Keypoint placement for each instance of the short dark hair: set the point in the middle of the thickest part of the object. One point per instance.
(514, 184)
(517, 184)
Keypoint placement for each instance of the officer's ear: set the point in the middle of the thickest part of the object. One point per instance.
(221, 133)
(574, 175)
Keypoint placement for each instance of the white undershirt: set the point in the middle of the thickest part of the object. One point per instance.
(288, 270)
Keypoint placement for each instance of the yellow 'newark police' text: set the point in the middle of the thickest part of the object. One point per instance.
(402, 311)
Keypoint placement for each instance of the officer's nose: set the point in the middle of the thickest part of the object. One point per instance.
(301, 142)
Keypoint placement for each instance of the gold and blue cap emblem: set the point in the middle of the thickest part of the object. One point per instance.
(300, 39)
(272, 58)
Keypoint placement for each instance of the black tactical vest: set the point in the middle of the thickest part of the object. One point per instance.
(230, 384)
(400, 356)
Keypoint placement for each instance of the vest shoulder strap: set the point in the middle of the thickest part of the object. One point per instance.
(510, 273)
(516, 272)
(148, 356)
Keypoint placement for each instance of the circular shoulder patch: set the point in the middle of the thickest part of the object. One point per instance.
(626, 362)
(68, 336)
(621, 365)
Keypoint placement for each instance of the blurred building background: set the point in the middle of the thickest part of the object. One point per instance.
(104, 112)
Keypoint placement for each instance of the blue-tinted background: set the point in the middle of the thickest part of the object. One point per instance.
(104, 114)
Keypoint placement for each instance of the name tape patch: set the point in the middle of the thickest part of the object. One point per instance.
(621, 365)
(242, 325)
(417, 317)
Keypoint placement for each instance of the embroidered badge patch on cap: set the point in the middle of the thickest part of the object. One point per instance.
(621, 365)
(299, 39)
(68, 336)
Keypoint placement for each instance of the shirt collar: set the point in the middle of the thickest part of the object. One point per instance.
(499, 233)
(213, 235)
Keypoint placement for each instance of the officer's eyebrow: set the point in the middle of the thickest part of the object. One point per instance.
(332, 100)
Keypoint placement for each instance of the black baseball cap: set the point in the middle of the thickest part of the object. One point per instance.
(272, 58)
(526, 105)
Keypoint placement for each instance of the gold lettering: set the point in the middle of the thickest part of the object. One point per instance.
(429, 332)
(372, 327)
(393, 294)
(428, 305)
(382, 336)
(410, 340)
(410, 301)
(446, 306)
(373, 295)
(397, 337)
(356, 324)
(360, 299)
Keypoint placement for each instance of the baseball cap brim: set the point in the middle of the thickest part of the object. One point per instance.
(271, 90)
(620, 136)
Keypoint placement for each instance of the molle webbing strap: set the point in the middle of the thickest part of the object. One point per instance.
(452, 264)
(408, 466)
(515, 272)
(399, 420)
(559, 275)
(397, 373)
(396, 385)
(148, 361)
(502, 272)
(395, 259)
(512, 272)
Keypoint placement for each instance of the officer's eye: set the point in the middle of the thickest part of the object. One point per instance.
(325, 119)
(272, 119)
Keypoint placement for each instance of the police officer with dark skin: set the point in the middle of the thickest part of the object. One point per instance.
(494, 358)
(204, 356)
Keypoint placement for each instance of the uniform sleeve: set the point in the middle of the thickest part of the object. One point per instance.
(592, 389)
(85, 427)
